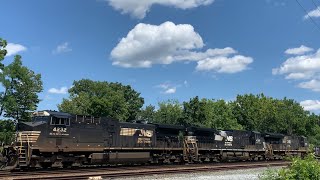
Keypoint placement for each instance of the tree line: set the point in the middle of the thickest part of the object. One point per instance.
(247, 112)
(21, 86)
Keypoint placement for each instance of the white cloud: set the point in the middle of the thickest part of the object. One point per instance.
(139, 8)
(170, 90)
(224, 64)
(163, 86)
(299, 75)
(62, 90)
(313, 84)
(310, 105)
(62, 48)
(185, 83)
(149, 44)
(146, 45)
(298, 51)
(302, 67)
(314, 13)
(13, 49)
(167, 88)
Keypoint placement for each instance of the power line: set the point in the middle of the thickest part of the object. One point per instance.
(315, 4)
(308, 15)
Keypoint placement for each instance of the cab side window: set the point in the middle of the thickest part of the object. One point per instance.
(60, 121)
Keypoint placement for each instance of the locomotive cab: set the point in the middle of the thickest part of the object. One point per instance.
(32, 137)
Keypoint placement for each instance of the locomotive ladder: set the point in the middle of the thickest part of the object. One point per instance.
(269, 151)
(23, 151)
(190, 149)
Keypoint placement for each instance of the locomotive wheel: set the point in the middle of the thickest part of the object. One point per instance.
(46, 165)
(11, 163)
(67, 164)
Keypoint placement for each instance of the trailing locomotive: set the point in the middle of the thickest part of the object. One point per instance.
(56, 139)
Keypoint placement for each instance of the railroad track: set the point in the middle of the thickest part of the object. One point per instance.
(116, 172)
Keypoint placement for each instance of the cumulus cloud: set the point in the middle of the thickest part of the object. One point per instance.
(146, 45)
(62, 90)
(302, 67)
(298, 51)
(139, 8)
(314, 13)
(310, 105)
(224, 64)
(167, 88)
(13, 49)
(313, 84)
(62, 48)
(170, 90)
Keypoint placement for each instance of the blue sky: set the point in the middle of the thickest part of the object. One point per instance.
(170, 49)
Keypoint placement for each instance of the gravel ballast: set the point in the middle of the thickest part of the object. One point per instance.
(242, 174)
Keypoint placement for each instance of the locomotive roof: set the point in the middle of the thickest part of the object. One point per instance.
(34, 123)
(273, 135)
(193, 128)
(136, 124)
(52, 113)
(169, 126)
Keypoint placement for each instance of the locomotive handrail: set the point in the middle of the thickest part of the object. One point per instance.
(20, 137)
(28, 146)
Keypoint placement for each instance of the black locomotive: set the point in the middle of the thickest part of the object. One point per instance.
(56, 139)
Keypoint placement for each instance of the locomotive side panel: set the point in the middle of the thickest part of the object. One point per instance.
(169, 136)
(85, 136)
(135, 135)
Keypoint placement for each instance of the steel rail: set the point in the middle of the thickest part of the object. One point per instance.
(102, 173)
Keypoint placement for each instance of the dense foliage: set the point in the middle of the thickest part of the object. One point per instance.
(21, 87)
(7, 128)
(304, 169)
(248, 112)
(196, 112)
(101, 98)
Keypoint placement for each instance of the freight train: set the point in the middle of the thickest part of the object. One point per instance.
(56, 139)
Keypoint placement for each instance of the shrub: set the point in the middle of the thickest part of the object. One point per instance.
(300, 169)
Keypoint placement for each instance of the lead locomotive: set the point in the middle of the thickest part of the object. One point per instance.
(56, 139)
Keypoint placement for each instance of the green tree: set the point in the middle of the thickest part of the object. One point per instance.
(132, 99)
(245, 109)
(194, 112)
(313, 129)
(265, 114)
(169, 112)
(147, 113)
(3, 52)
(7, 129)
(291, 117)
(21, 87)
(265, 117)
(218, 115)
(100, 98)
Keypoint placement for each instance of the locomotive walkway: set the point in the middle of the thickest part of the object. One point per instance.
(120, 171)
